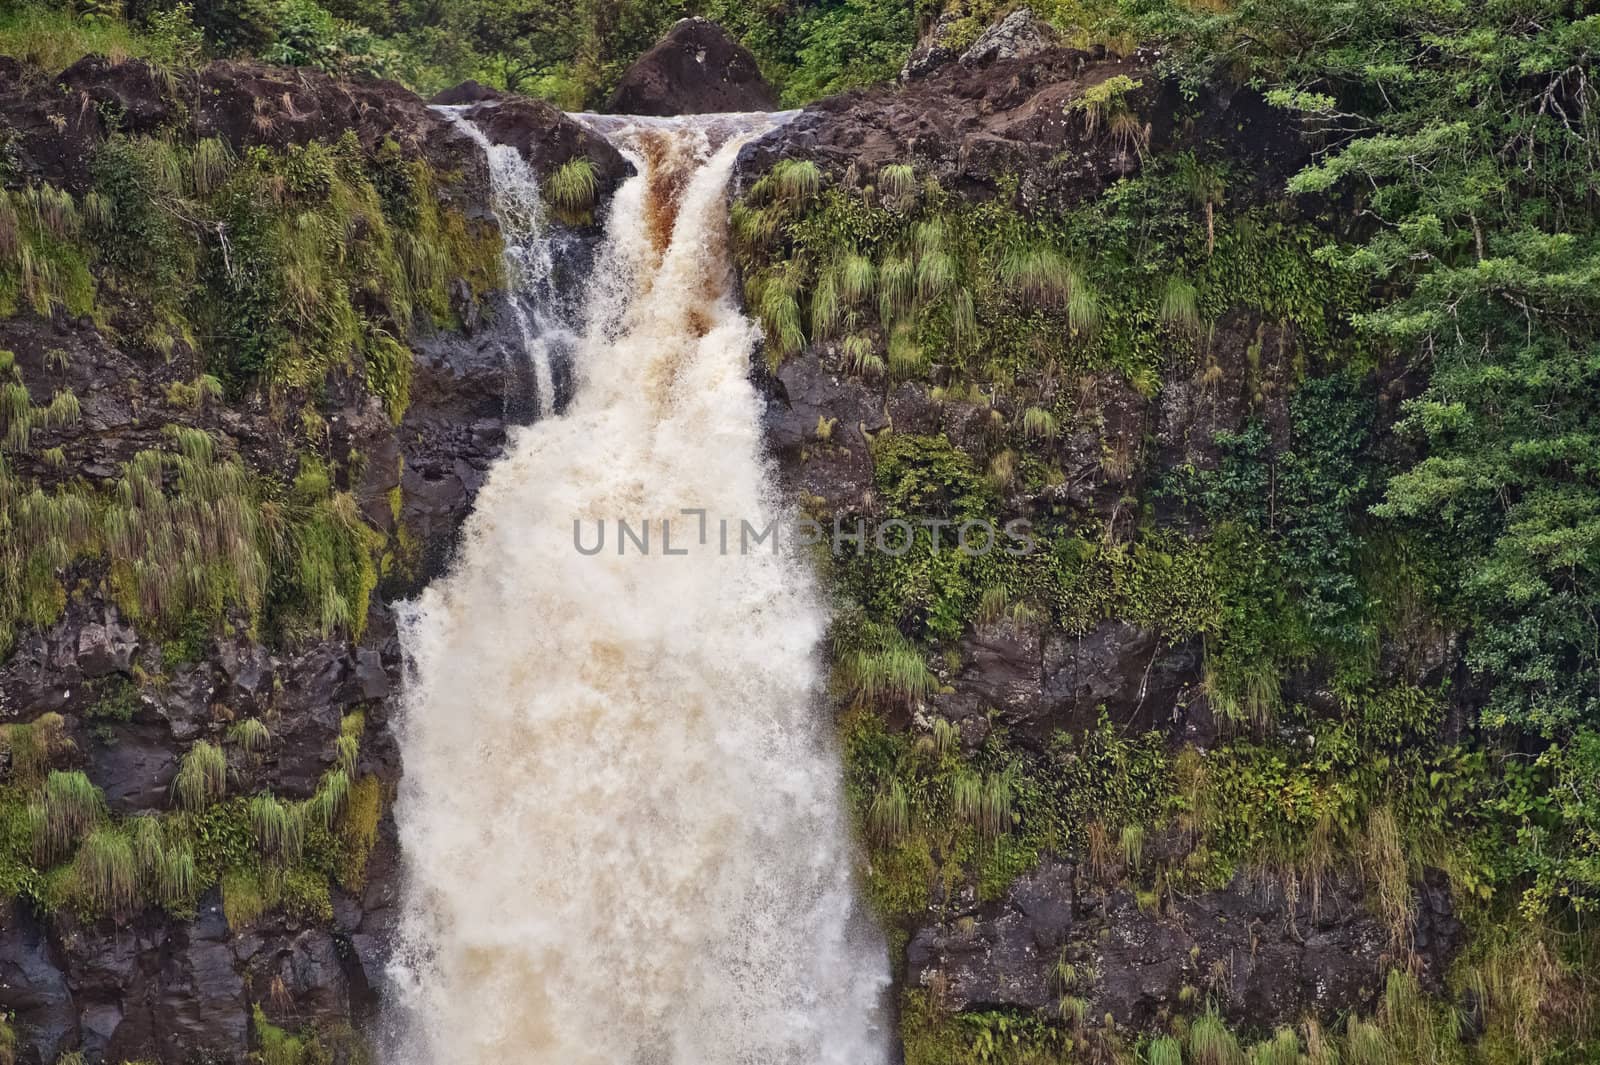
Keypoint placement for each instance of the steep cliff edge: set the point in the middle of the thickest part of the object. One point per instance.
(256, 364)
(1100, 800)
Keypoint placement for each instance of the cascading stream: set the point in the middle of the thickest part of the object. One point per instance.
(529, 257)
(623, 822)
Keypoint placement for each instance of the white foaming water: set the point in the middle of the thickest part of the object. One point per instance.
(528, 255)
(623, 822)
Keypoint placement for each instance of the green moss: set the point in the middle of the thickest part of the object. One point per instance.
(359, 833)
(278, 1047)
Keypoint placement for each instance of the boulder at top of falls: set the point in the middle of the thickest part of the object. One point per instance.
(695, 69)
(547, 137)
(468, 92)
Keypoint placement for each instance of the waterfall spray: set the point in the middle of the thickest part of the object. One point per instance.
(624, 825)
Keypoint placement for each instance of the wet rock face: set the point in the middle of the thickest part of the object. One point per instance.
(548, 139)
(1264, 958)
(1040, 682)
(695, 69)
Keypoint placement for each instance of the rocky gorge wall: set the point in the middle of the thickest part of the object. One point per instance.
(1031, 282)
(1036, 283)
(106, 949)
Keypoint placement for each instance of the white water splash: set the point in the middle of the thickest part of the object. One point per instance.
(528, 256)
(623, 823)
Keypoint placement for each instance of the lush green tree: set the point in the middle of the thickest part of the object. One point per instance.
(1463, 140)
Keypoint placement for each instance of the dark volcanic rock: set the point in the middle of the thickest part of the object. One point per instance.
(970, 124)
(1265, 959)
(1016, 36)
(695, 69)
(548, 139)
(33, 987)
(468, 92)
(1121, 669)
(1040, 683)
(819, 422)
(1004, 954)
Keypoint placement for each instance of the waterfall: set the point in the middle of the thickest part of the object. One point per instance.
(622, 816)
(528, 257)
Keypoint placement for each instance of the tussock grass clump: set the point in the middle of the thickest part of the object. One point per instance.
(963, 320)
(861, 356)
(333, 791)
(889, 816)
(1040, 424)
(105, 871)
(1211, 1043)
(177, 879)
(1180, 306)
(906, 358)
(1387, 872)
(778, 307)
(857, 277)
(70, 807)
(1131, 843)
(936, 275)
(359, 832)
(571, 191)
(897, 285)
(278, 1047)
(983, 801)
(894, 672)
(348, 745)
(1164, 1050)
(794, 181)
(243, 898)
(1002, 475)
(1367, 1044)
(325, 542)
(45, 531)
(193, 548)
(250, 736)
(33, 745)
(946, 736)
(1040, 274)
(20, 417)
(826, 308)
(1084, 313)
(897, 183)
(753, 227)
(992, 604)
(202, 777)
(279, 827)
(210, 164)
(1282, 1049)
(149, 841)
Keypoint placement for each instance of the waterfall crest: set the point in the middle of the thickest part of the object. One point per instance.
(623, 823)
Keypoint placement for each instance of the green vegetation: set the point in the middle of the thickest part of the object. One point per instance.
(187, 536)
(61, 848)
(570, 191)
(202, 777)
(1446, 234)
(1441, 254)
(924, 283)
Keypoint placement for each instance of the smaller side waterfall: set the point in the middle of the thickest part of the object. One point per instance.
(529, 257)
